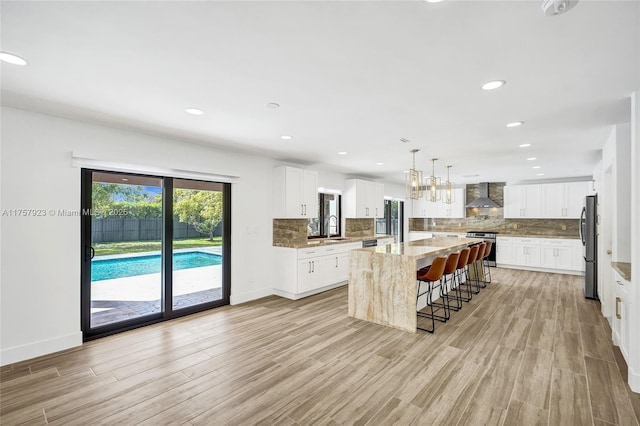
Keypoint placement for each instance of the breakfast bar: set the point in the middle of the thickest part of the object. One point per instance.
(382, 279)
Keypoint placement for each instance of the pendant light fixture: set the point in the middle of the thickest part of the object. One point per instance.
(414, 180)
(449, 194)
(433, 184)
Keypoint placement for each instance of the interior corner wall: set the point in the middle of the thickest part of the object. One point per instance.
(40, 256)
(634, 293)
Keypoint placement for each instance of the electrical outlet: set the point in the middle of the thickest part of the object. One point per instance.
(564, 227)
(515, 226)
(459, 224)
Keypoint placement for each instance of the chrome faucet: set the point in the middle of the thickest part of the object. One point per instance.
(328, 224)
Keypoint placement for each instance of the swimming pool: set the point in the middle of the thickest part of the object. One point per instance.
(107, 269)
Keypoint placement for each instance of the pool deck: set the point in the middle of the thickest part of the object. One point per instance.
(129, 297)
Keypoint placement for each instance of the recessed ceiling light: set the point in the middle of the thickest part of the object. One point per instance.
(342, 153)
(273, 105)
(531, 159)
(493, 84)
(125, 180)
(12, 59)
(194, 111)
(524, 145)
(540, 174)
(515, 124)
(536, 167)
(286, 137)
(433, 1)
(380, 164)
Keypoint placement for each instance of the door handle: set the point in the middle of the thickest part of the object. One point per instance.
(609, 252)
(89, 253)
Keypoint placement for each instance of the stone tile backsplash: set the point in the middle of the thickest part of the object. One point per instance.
(359, 228)
(492, 219)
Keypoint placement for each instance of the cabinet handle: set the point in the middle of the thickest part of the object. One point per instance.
(313, 266)
(618, 300)
(619, 282)
(309, 268)
(336, 261)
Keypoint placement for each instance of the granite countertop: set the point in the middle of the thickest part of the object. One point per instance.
(422, 248)
(320, 242)
(623, 268)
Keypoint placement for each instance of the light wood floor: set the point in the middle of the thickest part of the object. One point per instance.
(528, 350)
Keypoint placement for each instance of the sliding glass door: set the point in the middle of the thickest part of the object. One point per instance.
(391, 223)
(197, 243)
(153, 248)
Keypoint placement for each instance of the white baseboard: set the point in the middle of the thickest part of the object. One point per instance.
(42, 347)
(296, 296)
(236, 299)
(634, 380)
(532, 268)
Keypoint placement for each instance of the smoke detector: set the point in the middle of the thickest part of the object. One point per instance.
(557, 7)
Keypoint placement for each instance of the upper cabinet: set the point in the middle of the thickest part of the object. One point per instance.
(564, 200)
(546, 201)
(522, 201)
(295, 193)
(440, 209)
(363, 199)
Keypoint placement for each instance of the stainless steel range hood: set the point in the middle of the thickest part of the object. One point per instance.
(483, 200)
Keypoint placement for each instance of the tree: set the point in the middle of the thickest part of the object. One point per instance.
(200, 209)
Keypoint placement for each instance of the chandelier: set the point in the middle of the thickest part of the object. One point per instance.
(433, 184)
(449, 194)
(414, 180)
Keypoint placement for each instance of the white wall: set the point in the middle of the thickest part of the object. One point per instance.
(40, 302)
(40, 256)
(634, 293)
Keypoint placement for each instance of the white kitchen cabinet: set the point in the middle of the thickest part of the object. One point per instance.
(363, 199)
(557, 254)
(456, 209)
(620, 328)
(295, 193)
(302, 272)
(563, 200)
(504, 251)
(526, 252)
(522, 201)
(548, 254)
(440, 209)
(417, 235)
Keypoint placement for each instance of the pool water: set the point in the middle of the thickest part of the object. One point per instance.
(108, 269)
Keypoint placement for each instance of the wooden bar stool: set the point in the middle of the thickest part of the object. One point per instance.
(449, 284)
(460, 271)
(430, 277)
(485, 263)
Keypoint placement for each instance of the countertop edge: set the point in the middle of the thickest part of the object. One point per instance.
(622, 268)
(323, 243)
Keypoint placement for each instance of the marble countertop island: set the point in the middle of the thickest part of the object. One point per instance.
(382, 279)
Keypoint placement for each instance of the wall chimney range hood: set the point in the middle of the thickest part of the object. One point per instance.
(483, 200)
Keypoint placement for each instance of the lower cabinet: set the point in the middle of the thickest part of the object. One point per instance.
(302, 272)
(620, 326)
(548, 254)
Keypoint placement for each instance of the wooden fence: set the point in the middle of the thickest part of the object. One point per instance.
(132, 229)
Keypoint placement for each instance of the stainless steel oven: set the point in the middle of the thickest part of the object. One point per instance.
(487, 236)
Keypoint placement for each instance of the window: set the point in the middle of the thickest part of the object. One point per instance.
(327, 222)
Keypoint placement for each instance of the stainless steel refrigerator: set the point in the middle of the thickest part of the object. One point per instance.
(589, 236)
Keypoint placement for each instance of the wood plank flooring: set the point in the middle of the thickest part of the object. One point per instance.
(528, 350)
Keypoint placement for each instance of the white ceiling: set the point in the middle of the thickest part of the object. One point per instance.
(349, 76)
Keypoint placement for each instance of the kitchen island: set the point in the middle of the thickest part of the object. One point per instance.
(382, 279)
